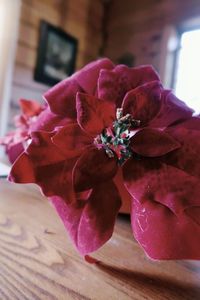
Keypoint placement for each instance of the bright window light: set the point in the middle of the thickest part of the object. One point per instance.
(188, 70)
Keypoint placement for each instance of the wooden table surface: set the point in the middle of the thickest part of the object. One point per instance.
(38, 261)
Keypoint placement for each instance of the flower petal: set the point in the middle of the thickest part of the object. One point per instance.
(22, 170)
(88, 76)
(92, 168)
(93, 114)
(144, 102)
(42, 150)
(172, 110)
(114, 84)
(47, 121)
(151, 142)
(30, 108)
(163, 197)
(71, 140)
(163, 235)
(186, 158)
(191, 123)
(53, 179)
(62, 97)
(42, 163)
(90, 223)
(14, 151)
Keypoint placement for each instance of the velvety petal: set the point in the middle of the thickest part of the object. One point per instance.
(124, 194)
(90, 223)
(151, 180)
(47, 121)
(71, 140)
(94, 114)
(30, 108)
(22, 170)
(14, 151)
(62, 97)
(144, 102)
(42, 163)
(163, 235)
(114, 84)
(92, 168)
(186, 158)
(163, 213)
(42, 150)
(151, 142)
(191, 123)
(172, 110)
(88, 76)
(53, 179)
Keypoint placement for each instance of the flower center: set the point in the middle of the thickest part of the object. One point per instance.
(116, 139)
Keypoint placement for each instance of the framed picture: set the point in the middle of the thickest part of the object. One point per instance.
(56, 55)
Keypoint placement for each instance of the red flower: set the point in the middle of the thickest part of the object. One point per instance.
(79, 164)
(15, 141)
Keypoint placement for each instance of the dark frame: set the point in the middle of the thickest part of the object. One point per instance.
(47, 66)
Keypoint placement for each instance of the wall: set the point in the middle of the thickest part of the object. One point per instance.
(138, 26)
(80, 18)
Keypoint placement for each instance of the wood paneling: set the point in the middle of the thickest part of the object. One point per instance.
(137, 26)
(80, 18)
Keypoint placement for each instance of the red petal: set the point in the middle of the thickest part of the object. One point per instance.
(30, 108)
(162, 196)
(44, 165)
(23, 170)
(42, 150)
(144, 102)
(91, 260)
(88, 76)
(62, 97)
(14, 151)
(172, 110)
(93, 114)
(71, 140)
(113, 85)
(162, 234)
(92, 168)
(53, 179)
(47, 121)
(90, 223)
(186, 158)
(151, 142)
(191, 123)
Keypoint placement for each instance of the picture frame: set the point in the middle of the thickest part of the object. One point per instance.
(56, 55)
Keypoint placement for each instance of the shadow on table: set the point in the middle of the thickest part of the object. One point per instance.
(153, 284)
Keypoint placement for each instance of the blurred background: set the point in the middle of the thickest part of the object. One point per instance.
(164, 33)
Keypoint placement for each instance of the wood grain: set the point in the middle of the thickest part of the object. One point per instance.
(80, 18)
(133, 24)
(38, 261)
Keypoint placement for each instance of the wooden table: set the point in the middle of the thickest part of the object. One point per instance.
(38, 261)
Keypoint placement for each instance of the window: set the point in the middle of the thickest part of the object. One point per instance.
(187, 79)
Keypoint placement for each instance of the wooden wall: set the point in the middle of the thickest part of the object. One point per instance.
(80, 18)
(137, 26)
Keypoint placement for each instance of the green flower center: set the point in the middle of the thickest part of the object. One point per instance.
(116, 139)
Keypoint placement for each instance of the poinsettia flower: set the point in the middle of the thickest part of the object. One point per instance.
(165, 197)
(100, 78)
(80, 164)
(115, 133)
(15, 141)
